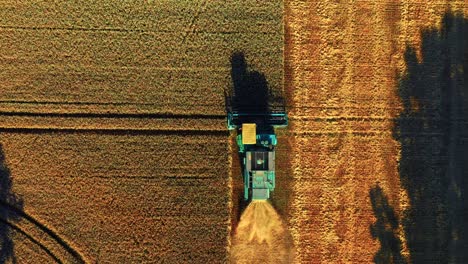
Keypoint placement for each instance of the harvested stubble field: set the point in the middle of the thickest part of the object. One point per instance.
(377, 96)
(114, 147)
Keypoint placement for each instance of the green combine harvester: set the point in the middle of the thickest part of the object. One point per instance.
(257, 140)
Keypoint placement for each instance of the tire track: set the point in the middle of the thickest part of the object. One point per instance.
(114, 115)
(119, 30)
(115, 123)
(32, 239)
(60, 243)
(117, 131)
(84, 103)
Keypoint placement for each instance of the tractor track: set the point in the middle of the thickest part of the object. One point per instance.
(112, 123)
(59, 243)
(115, 115)
(83, 29)
(117, 131)
(32, 239)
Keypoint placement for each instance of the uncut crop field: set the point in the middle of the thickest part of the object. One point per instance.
(114, 147)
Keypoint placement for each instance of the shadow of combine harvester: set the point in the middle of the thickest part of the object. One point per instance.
(251, 101)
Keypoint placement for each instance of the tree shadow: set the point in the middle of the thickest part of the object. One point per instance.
(249, 93)
(7, 216)
(433, 133)
(385, 229)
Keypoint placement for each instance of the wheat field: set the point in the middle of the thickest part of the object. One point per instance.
(114, 146)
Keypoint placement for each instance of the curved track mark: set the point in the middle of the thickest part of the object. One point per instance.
(56, 238)
(34, 240)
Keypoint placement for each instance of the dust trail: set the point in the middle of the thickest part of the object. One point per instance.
(261, 236)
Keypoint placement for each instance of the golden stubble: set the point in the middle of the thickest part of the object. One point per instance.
(345, 60)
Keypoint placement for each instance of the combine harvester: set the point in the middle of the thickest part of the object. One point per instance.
(256, 140)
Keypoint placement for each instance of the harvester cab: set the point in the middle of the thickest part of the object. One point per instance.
(256, 140)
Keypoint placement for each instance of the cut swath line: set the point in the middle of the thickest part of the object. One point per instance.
(44, 102)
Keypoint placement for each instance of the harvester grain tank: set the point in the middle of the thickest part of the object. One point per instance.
(257, 140)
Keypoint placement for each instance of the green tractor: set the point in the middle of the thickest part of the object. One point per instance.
(256, 140)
